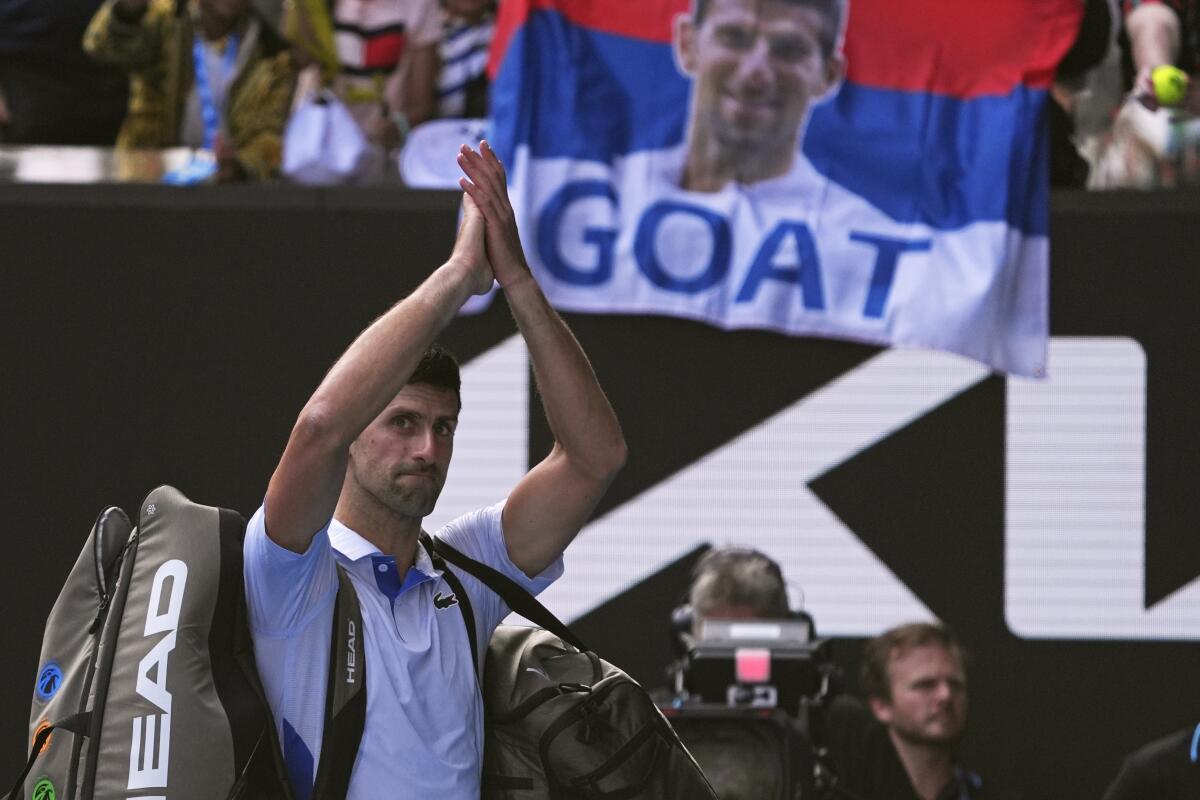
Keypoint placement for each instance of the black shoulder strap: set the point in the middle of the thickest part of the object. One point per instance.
(512, 593)
(78, 724)
(460, 594)
(345, 697)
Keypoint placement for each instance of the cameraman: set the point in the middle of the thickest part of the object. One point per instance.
(734, 583)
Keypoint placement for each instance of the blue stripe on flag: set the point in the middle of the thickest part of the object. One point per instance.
(584, 94)
(570, 92)
(937, 160)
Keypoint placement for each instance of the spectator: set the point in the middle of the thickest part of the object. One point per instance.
(212, 75)
(1165, 769)
(1160, 32)
(1074, 77)
(50, 91)
(379, 57)
(462, 83)
(1148, 146)
(914, 677)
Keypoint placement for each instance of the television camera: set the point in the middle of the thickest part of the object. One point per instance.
(748, 701)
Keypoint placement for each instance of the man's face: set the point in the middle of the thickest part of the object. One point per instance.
(402, 457)
(929, 696)
(757, 64)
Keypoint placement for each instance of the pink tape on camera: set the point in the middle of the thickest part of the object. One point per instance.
(753, 664)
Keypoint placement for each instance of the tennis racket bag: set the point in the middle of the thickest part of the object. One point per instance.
(146, 684)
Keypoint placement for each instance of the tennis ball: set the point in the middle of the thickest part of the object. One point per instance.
(1170, 84)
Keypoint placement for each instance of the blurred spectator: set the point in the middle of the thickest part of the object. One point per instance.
(903, 748)
(1165, 769)
(1092, 44)
(1160, 32)
(210, 75)
(380, 59)
(1148, 146)
(462, 83)
(50, 91)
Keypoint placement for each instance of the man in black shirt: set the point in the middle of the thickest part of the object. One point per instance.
(902, 748)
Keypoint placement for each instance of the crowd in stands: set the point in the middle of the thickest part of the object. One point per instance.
(1112, 126)
(225, 76)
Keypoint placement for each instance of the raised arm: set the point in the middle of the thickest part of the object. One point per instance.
(1154, 35)
(420, 84)
(305, 486)
(550, 504)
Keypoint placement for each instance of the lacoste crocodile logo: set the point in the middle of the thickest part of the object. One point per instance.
(444, 602)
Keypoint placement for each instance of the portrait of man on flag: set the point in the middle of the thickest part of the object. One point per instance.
(756, 69)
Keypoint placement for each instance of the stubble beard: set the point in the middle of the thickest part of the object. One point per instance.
(413, 501)
(402, 501)
(918, 736)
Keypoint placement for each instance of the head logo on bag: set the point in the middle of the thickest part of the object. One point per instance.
(50, 677)
(145, 770)
(43, 790)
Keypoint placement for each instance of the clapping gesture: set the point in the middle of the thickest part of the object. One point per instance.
(485, 183)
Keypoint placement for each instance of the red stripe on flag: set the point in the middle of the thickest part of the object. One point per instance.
(638, 19)
(510, 15)
(957, 48)
(649, 20)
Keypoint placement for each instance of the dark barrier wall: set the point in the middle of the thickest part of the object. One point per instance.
(152, 335)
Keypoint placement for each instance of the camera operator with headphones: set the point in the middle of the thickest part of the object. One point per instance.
(752, 682)
(900, 746)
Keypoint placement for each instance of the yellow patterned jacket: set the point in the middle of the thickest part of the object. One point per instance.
(157, 52)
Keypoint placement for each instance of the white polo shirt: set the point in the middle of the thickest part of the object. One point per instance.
(424, 726)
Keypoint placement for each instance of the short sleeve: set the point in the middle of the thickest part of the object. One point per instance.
(480, 535)
(285, 589)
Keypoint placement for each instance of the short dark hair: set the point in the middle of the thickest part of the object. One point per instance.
(833, 15)
(738, 576)
(877, 656)
(439, 368)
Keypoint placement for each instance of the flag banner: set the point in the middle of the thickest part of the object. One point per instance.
(875, 171)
